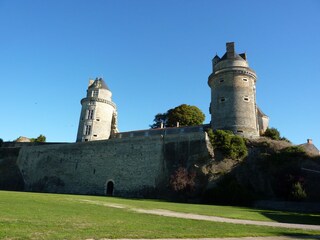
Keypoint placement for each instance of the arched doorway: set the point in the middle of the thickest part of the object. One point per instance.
(109, 188)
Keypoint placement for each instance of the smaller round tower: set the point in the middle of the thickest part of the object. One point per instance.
(98, 118)
(233, 94)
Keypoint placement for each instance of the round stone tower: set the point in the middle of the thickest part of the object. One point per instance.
(233, 94)
(98, 118)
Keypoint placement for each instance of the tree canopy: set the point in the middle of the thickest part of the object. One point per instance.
(40, 138)
(186, 115)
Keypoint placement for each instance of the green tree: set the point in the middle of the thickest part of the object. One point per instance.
(160, 118)
(40, 138)
(186, 115)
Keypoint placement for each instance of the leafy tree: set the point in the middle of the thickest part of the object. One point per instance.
(160, 118)
(186, 115)
(40, 138)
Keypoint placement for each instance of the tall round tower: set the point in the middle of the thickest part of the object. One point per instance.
(233, 94)
(98, 118)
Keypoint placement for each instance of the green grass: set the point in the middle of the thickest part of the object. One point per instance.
(223, 211)
(53, 216)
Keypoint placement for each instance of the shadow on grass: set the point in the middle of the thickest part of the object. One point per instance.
(301, 236)
(290, 217)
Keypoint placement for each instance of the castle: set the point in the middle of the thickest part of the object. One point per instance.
(233, 101)
(140, 163)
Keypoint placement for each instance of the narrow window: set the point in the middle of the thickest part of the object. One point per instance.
(88, 130)
(221, 80)
(245, 79)
(90, 114)
(246, 99)
(95, 93)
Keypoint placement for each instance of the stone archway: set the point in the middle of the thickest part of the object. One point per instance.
(109, 188)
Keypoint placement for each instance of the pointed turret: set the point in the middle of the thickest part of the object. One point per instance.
(98, 117)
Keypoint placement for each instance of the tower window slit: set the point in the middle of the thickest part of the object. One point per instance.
(95, 93)
(90, 114)
(88, 130)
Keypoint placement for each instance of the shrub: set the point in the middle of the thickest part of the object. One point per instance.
(298, 193)
(272, 133)
(293, 153)
(229, 192)
(182, 180)
(231, 145)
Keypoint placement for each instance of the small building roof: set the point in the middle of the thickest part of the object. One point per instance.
(310, 148)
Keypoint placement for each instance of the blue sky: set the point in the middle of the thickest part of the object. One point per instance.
(154, 55)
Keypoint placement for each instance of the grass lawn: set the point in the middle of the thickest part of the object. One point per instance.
(222, 211)
(53, 216)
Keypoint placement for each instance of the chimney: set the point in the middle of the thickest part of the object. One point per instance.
(230, 50)
(309, 141)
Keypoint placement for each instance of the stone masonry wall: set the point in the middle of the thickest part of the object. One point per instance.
(137, 166)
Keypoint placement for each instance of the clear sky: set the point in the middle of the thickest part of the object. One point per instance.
(154, 55)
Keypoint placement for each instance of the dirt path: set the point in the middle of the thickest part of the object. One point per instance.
(226, 220)
(168, 213)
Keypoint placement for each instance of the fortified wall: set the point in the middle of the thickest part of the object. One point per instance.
(137, 163)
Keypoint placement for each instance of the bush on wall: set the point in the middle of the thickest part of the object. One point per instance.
(233, 146)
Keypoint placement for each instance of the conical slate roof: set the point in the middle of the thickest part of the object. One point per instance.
(99, 83)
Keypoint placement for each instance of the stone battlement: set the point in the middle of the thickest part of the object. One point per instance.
(161, 131)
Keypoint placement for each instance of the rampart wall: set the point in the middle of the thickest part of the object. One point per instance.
(134, 164)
